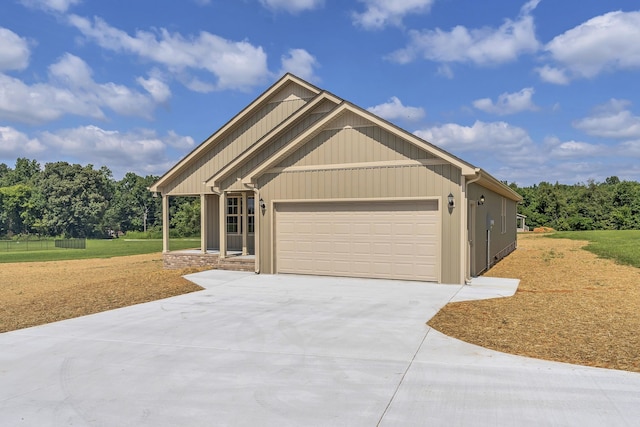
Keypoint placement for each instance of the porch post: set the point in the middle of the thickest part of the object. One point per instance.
(165, 223)
(245, 223)
(223, 225)
(204, 232)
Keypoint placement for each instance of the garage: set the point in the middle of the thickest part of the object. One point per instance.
(381, 239)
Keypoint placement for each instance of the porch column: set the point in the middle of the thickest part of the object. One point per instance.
(245, 223)
(223, 225)
(204, 229)
(165, 223)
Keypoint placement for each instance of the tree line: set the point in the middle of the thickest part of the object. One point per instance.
(70, 200)
(609, 205)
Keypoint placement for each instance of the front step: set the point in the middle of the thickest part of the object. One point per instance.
(237, 264)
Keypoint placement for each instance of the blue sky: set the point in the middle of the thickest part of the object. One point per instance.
(531, 91)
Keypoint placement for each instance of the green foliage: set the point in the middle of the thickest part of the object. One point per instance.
(80, 201)
(76, 198)
(619, 245)
(98, 248)
(611, 205)
(185, 217)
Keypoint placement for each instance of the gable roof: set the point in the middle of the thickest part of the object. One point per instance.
(238, 118)
(341, 107)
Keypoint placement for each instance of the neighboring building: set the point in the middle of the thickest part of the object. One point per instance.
(304, 182)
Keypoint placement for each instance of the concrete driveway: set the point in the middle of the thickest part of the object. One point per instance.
(263, 350)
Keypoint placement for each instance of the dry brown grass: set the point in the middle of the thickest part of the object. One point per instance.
(41, 292)
(571, 306)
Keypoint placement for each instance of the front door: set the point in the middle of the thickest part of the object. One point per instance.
(240, 223)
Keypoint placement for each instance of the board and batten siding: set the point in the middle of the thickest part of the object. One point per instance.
(276, 144)
(352, 145)
(246, 133)
(492, 210)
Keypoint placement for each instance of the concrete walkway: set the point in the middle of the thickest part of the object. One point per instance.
(264, 350)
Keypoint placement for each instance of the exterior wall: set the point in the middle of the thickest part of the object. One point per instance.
(289, 99)
(350, 145)
(501, 244)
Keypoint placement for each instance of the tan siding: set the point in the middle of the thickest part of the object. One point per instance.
(491, 209)
(278, 143)
(346, 184)
(351, 145)
(239, 139)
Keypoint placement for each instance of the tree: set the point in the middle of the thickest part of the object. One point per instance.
(134, 208)
(75, 197)
(185, 216)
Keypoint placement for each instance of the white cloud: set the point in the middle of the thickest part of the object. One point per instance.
(553, 75)
(605, 43)
(394, 110)
(611, 120)
(14, 143)
(495, 136)
(50, 5)
(482, 46)
(301, 63)
(234, 65)
(508, 103)
(292, 6)
(14, 51)
(630, 148)
(158, 89)
(572, 149)
(70, 90)
(380, 13)
(143, 151)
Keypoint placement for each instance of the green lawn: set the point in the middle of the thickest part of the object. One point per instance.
(102, 248)
(622, 246)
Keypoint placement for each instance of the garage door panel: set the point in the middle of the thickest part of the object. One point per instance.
(371, 239)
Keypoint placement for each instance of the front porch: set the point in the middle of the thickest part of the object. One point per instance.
(227, 234)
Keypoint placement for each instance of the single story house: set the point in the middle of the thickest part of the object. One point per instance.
(302, 181)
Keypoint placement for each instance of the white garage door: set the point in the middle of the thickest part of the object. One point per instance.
(397, 240)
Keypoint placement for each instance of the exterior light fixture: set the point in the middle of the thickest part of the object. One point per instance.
(262, 204)
(481, 201)
(452, 202)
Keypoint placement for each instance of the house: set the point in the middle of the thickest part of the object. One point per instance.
(302, 181)
(521, 223)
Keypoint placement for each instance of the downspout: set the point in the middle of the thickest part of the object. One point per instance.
(465, 228)
(257, 221)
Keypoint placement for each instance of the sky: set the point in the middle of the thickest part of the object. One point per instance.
(530, 91)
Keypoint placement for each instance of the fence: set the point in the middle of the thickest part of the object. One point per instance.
(71, 243)
(41, 244)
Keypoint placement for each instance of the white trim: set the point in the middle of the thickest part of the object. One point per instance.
(361, 165)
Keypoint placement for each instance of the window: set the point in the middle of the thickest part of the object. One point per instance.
(234, 215)
(235, 212)
(251, 215)
(503, 216)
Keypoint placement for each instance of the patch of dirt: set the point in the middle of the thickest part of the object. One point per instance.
(571, 306)
(42, 292)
